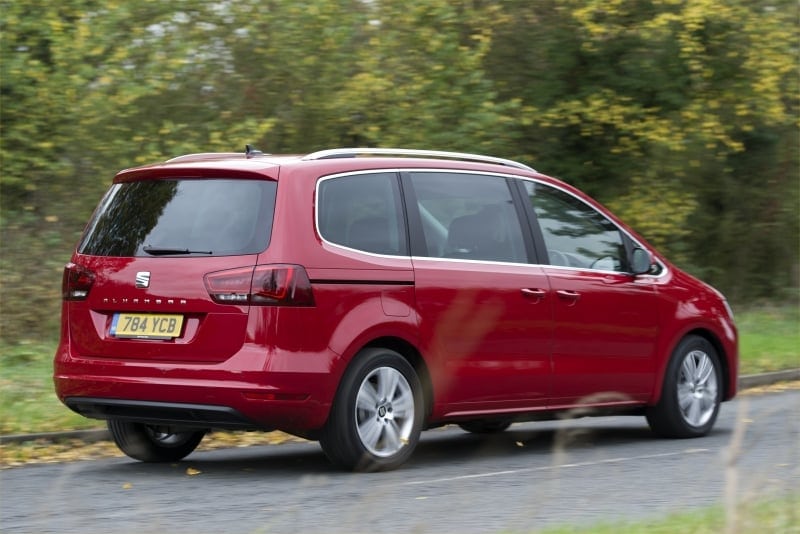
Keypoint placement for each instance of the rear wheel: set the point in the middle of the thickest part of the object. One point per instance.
(376, 417)
(154, 443)
(691, 393)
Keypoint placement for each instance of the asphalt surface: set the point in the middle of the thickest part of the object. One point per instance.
(535, 475)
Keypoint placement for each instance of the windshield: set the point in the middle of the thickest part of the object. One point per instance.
(217, 217)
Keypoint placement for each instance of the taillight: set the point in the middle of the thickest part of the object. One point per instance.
(77, 282)
(262, 285)
(281, 285)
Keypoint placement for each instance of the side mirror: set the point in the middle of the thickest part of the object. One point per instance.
(640, 261)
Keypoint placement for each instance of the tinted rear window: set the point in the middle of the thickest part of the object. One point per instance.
(209, 217)
(363, 212)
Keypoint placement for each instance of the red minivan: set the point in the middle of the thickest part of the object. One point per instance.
(359, 296)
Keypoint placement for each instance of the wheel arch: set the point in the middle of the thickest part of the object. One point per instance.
(340, 437)
(729, 387)
(724, 359)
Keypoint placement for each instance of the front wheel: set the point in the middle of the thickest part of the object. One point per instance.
(376, 417)
(154, 443)
(691, 393)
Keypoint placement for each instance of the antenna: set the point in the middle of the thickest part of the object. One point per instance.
(250, 151)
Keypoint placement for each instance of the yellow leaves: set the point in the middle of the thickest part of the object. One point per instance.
(657, 209)
(741, 110)
(714, 41)
(480, 37)
(597, 17)
(56, 25)
(779, 387)
(83, 31)
(607, 113)
(13, 455)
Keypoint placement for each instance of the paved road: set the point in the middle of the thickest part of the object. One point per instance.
(532, 476)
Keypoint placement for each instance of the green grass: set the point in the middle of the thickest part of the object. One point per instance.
(27, 401)
(776, 515)
(769, 341)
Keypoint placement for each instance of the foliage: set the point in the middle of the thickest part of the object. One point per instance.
(682, 116)
(421, 82)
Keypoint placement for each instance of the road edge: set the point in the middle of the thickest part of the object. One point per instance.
(95, 435)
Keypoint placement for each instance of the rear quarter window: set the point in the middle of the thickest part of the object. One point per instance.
(209, 217)
(363, 212)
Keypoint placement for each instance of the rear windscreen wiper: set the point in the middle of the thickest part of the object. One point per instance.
(168, 251)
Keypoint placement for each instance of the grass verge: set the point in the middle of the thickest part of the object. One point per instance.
(28, 403)
(777, 514)
(769, 341)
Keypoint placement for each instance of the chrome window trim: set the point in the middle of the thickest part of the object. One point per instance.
(464, 260)
(664, 268)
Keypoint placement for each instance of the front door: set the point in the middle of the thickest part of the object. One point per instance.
(606, 320)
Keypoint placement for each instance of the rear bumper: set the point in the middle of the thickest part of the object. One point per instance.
(242, 392)
(160, 413)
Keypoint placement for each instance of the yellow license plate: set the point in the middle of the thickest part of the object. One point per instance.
(146, 325)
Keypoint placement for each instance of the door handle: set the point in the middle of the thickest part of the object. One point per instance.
(570, 296)
(534, 293)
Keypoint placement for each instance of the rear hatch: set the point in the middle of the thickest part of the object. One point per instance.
(140, 285)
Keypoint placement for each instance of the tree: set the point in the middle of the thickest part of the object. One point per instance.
(421, 80)
(655, 108)
(680, 115)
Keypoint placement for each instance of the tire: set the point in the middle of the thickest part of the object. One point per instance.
(691, 394)
(485, 426)
(376, 417)
(151, 443)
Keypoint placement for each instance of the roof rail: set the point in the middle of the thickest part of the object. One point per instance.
(406, 152)
(203, 156)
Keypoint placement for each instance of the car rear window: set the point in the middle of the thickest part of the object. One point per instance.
(208, 217)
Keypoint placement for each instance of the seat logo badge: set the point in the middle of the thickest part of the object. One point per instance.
(143, 279)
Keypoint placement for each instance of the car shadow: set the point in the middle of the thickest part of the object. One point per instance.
(438, 447)
(530, 441)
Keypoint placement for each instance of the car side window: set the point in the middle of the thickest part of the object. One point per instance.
(468, 216)
(575, 234)
(363, 212)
